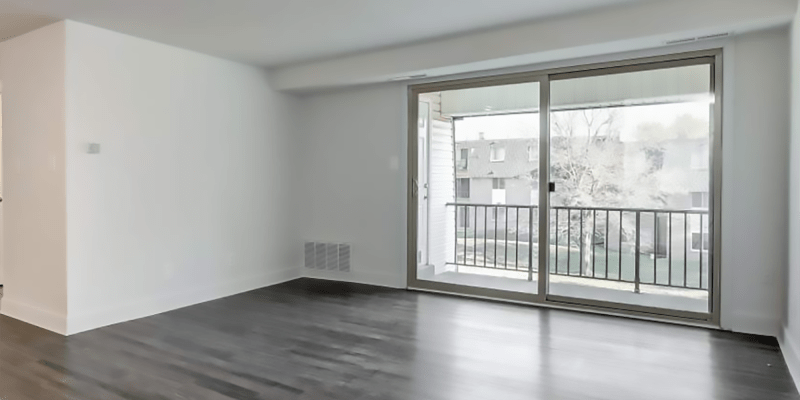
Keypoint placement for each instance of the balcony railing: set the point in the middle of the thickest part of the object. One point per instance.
(659, 247)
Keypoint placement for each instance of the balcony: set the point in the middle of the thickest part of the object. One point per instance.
(646, 257)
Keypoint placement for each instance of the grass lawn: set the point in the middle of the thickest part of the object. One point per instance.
(660, 268)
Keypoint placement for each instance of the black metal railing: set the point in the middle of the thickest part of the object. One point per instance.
(658, 247)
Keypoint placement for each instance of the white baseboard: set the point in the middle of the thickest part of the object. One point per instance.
(791, 353)
(764, 325)
(367, 278)
(46, 319)
(110, 315)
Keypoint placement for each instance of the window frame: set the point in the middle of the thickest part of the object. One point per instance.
(704, 200)
(498, 182)
(492, 148)
(462, 159)
(460, 188)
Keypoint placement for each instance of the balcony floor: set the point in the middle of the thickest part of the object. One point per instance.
(576, 287)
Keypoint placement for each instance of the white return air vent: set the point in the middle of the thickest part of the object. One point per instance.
(327, 256)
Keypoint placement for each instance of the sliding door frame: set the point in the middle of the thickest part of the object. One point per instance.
(542, 298)
(413, 96)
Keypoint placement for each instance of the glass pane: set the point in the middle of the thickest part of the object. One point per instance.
(630, 159)
(484, 176)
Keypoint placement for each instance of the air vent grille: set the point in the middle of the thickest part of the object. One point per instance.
(310, 255)
(319, 255)
(679, 41)
(332, 258)
(344, 257)
(327, 256)
(714, 36)
(698, 38)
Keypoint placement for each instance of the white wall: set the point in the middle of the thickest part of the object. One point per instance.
(351, 195)
(351, 184)
(790, 339)
(34, 257)
(188, 199)
(754, 206)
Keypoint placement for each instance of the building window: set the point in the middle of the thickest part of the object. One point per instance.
(696, 241)
(700, 200)
(498, 184)
(497, 153)
(463, 159)
(462, 188)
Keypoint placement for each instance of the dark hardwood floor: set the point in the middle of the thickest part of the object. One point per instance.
(310, 339)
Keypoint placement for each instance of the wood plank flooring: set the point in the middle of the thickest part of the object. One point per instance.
(310, 339)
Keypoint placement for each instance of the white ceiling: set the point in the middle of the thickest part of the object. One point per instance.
(280, 32)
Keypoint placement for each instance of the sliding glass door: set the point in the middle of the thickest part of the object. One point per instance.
(591, 186)
(630, 159)
(481, 187)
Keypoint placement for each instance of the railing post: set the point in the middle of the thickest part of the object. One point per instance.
(455, 235)
(475, 238)
(530, 244)
(505, 240)
(485, 233)
(466, 225)
(636, 254)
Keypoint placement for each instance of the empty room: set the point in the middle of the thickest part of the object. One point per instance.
(412, 200)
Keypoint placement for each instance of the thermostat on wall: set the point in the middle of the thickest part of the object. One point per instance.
(94, 148)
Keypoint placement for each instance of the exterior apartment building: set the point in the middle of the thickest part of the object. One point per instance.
(505, 172)
(498, 171)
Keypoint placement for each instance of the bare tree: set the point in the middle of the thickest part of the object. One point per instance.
(590, 168)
